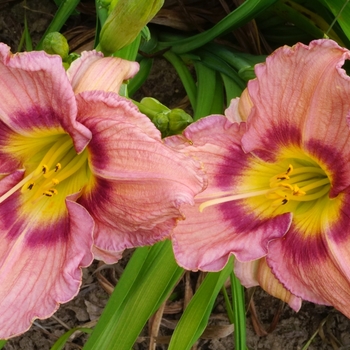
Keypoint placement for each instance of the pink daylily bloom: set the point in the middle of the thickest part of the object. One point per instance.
(279, 185)
(82, 173)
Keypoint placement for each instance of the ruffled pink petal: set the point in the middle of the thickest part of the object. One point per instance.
(108, 256)
(247, 272)
(40, 262)
(206, 240)
(139, 183)
(36, 94)
(94, 72)
(257, 272)
(301, 98)
(232, 111)
(317, 267)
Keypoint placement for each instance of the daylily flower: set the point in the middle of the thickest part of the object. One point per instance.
(81, 172)
(279, 184)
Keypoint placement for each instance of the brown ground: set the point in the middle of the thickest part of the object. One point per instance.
(292, 330)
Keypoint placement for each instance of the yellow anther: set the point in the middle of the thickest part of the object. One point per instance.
(58, 167)
(50, 192)
(31, 185)
(285, 185)
(281, 201)
(297, 191)
(55, 182)
(44, 169)
(290, 169)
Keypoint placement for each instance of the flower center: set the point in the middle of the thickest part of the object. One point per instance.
(60, 169)
(302, 183)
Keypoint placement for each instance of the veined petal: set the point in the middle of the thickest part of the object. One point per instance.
(40, 264)
(92, 71)
(108, 256)
(139, 184)
(312, 261)
(290, 109)
(206, 240)
(245, 105)
(257, 272)
(36, 96)
(232, 111)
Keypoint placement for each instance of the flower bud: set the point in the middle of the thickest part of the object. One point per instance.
(161, 121)
(125, 22)
(56, 44)
(178, 121)
(168, 122)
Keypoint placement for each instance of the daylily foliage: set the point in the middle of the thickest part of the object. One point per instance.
(279, 180)
(83, 174)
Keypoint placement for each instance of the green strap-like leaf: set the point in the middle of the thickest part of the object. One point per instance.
(184, 75)
(196, 315)
(340, 9)
(61, 342)
(206, 81)
(243, 14)
(148, 279)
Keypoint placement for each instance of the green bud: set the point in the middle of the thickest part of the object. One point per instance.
(161, 122)
(56, 44)
(169, 122)
(126, 20)
(178, 120)
(154, 105)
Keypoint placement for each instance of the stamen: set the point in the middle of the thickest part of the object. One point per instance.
(57, 149)
(278, 202)
(313, 196)
(31, 185)
(290, 169)
(17, 187)
(72, 167)
(315, 184)
(58, 167)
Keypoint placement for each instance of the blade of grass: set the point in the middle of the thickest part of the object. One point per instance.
(243, 14)
(184, 75)
(195, 318)
(206, 81)
(136, 297)
(238, 312)
(232, 90)
(218, 104)
(101, 17)
(137, 81)
(341, 11)
(62, 340)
